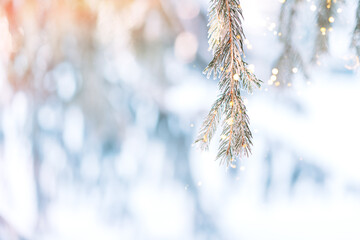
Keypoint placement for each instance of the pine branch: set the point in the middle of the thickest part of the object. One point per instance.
(236, 135)
(210, 124)
(290, 61)
(226, 37)
(356, 34)
(325, 19)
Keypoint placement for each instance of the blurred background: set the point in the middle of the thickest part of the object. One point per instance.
(101, 100)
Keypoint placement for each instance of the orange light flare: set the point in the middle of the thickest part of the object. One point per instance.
(7, 19)
(6, 45)
(17, 17)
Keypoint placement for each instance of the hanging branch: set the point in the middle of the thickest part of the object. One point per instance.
(226, 40)
(325, 19)
(356, 34)
(290, 60)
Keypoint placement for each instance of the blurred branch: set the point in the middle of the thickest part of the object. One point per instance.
(290, 60)
(325, 18)
(356, 34)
